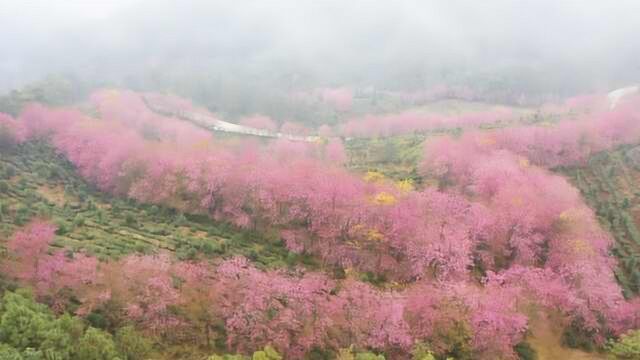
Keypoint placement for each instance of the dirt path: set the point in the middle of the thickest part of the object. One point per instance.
(545, 339)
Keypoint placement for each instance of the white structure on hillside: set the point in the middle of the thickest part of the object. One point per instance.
(616, 95)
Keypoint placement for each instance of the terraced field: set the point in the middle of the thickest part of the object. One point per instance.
(610, 183)
(396, 157)
(35, 182)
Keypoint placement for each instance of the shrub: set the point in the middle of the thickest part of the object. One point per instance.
(8, 171)
(186, 253)
(131, 344)
(627, 347)
(153, 210)
(227, 357)
(61, 227)
(210, 248)
(78, 220)
(42, 210)
(525, 351)
(9, 353)
(7, 139)
(54, 173)
(351, 354)
(576, 336)
(22, 215)
(26, 324)
(4, 187)
(100, 216)
(268, 353)
(96, 345)
(369, 356)
(272, 236)
(22, 183)
(97, 320)
(130, 220)
(179, 220)
(422, 352)
(141, 248)
(43, 171)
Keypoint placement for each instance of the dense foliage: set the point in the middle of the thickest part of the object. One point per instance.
(36, 182)
(30, 331)
(459, 267)
(627, 347)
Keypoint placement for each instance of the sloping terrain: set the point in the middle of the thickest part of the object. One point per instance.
(610, 185)
(38, 183)
(545, 339)
(398, 156)
(204, 119)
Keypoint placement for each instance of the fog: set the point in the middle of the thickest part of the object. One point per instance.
(563, 47)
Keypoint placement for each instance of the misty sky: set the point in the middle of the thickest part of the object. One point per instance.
(337, 41)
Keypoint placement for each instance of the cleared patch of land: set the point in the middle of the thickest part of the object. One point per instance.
(546, 337)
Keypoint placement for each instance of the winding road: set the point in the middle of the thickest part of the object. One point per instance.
(206, 120)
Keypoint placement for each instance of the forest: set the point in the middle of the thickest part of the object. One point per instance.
(298, 251)
(244, 200)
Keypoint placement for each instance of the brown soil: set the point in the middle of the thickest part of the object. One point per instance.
(545, 339)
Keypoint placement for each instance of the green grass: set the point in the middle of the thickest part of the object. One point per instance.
(35, 182)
